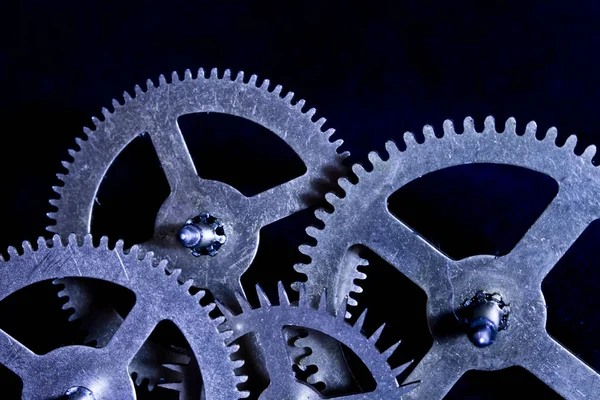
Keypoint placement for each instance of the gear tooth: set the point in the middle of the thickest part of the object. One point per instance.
(214, 73)
(119, 246)
(344, 184)
(175, 77)
(409, 139)
(305, 249)
(352, 302)
(570, 143)
(56, 241)
(57, 190)
(338, 143)
(388, 353)
(253, 79)
(392, 149)
(65, 164)
(240, 77)
(187, 75)
(374, 158)
(332, 199)
(27, 247)
(428, 132)
(360, 322)
(400, 369)
(300, 104)
(284, 300)
(71, 152)
(126, 96)
(201, 73)
(551, 135)
(115, 104)
(104, 242)
(277, 90)
(323, 301)
(219, 320)
(303, 299)
(265, 84)
(161, 80)
(105, 112)
(51, 215)
(200, 295)
(289, 97)
(449, 128)
(312, 231)
(341, 311)
(227, 74)
(530, 129)
(137, 90)
(187, 285)
(72, 240)
(96, 122)
(12, 251)
(510, 126)
(489, 124)
(311, 113)
(41, 243)
(225, 310)
(589, 153)
(175, 273)
(243, 302)
(469, 125)
(377, 334)
(359, 170)
(150, 84)
(79, 141)
(322, 215)
(262, 297)
(87, 240)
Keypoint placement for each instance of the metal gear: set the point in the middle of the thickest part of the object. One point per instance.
(102, 372)
(267, 323)
(99, 320)
(155, 111)
(517, 276)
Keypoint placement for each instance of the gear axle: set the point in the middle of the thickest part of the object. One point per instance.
(203, 234)
(486, 315)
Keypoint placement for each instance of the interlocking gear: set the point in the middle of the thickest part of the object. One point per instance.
(155, 112)
(267, 323)
(517, 276)
(103, 372)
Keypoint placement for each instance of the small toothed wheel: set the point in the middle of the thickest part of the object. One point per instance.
(204, 235)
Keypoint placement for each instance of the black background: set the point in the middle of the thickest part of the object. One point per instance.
(373, 69)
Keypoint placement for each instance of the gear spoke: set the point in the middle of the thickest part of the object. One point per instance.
(437, 372)
(15, 356)
(131, 335)
(404, 249)
(560, 369)
(547, 240)
(279, 202)
(174, 156)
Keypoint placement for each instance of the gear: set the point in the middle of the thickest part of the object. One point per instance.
(155, 112)
(267, 320)
(517, 276)
(102, 372)
(99, 320)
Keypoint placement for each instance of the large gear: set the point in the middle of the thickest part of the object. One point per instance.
(362, 217)
(267, 323)
(103, 372)
(155, 111)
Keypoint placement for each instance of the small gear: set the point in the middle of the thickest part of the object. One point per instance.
(516, 277)
(102, 372)
(267, 323)
(155, 111)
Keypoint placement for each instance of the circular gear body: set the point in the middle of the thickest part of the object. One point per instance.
(155, 112)
(517, 276)
(104, 371)
(268, 322)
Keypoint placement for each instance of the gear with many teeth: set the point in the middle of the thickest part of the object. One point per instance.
(267, 323)
(516, 277)
(103, 372)
(154, 111)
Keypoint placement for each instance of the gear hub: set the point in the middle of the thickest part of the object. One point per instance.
(486, 315)
(79, 393)
(204, 235)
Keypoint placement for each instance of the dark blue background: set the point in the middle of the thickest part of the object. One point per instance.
(374, 70)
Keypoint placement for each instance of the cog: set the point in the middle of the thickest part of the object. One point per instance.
(99, 320)
(103, 371)
(155, 111)
(269, 319)
(517, 276)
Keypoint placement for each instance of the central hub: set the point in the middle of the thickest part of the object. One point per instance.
(485, 314)
(204, 235)
(79, 393)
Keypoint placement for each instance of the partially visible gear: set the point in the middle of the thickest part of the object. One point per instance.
(155, 111)
(517, 276)
(102, 372)
(99, 320)
(269, 320)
